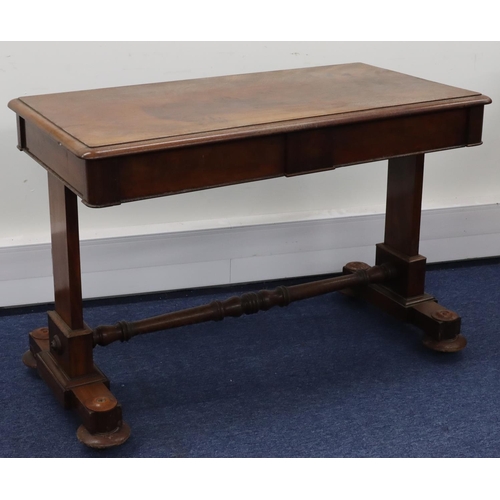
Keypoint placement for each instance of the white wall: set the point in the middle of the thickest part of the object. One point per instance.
(458, 178)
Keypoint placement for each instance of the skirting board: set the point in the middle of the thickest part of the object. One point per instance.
(180, 260)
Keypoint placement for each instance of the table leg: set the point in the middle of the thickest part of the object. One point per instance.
(63, 352)
(404, 296)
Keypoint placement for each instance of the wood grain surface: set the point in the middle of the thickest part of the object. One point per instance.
(174, 112)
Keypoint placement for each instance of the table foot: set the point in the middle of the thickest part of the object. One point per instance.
(103, 440)
(446, 345)
(441, 326)
(89, 394)
(39, 339)
(29, 360)
(101, 414)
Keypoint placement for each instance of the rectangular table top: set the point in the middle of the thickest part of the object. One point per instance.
(122, 144)
(122, 120)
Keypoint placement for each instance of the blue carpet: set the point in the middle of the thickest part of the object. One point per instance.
(325, 377)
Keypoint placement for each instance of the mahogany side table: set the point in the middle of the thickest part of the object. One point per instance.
(116, 145)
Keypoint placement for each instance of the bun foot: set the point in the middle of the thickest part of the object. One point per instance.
(446, 345)
(105, 439)
(29, 360)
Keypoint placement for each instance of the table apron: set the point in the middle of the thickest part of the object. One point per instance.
(331, 147)
(114, 180)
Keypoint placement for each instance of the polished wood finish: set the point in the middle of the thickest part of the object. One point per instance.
(110, 146)
(440, 325)
(66, 253)
(404, 201)
(249, 303)
(119, 120)
(402, 224)
(341, 145)
(122, 144)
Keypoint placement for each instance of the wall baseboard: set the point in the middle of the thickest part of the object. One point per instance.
(176, 260)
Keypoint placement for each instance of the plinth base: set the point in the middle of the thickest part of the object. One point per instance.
(89, 395)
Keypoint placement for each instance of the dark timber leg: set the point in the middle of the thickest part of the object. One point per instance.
(62, 353)
(404, 296)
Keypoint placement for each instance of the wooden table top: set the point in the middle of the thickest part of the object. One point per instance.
(123, 120)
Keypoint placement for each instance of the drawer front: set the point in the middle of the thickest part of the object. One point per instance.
(331, 147)
(116, 180)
